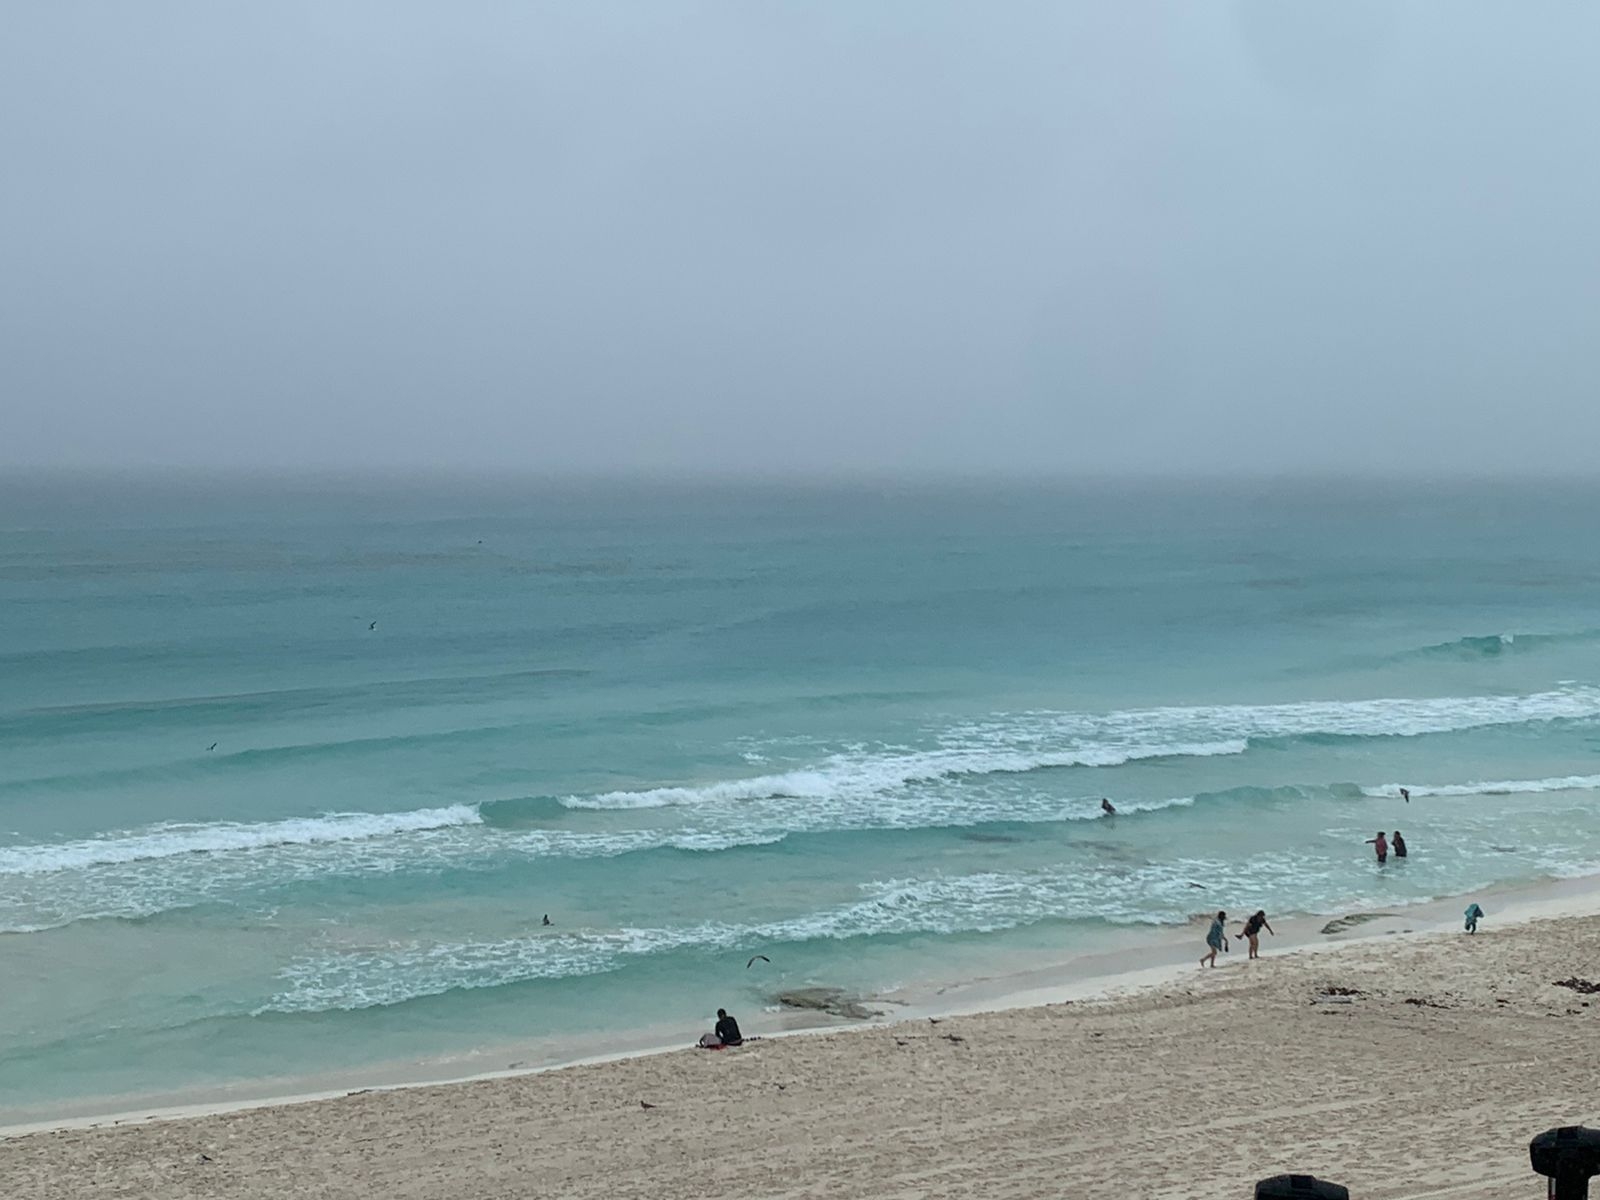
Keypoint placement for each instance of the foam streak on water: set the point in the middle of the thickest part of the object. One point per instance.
(170, 840)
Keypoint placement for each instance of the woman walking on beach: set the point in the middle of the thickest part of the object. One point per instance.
(1252, 930)
(1216, 938)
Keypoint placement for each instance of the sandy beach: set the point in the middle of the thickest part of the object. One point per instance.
(1402, 1066)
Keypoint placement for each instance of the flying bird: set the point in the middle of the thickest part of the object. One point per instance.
(371, 627)
(211, 747)
(754, 958)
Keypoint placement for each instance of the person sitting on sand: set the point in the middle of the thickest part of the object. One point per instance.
(726, 1033)
(1382, 844)
(1216, 938)
(1252, 930)
(1107, 807)
(1399, 844)
(728, 1029)
(1473, 913)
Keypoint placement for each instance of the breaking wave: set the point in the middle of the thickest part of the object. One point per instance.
(169, 841)
(1033, 741)
(1506, 787)
(1496, 645)
(846, 776)
(1152, 894)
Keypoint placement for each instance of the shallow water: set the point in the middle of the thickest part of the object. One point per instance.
(864, 731)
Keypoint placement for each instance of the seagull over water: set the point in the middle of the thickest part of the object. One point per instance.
(211, 747)
(371, 627)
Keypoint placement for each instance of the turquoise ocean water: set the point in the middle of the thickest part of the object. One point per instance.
(861, 730)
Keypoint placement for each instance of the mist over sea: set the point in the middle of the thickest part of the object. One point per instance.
(290, 772)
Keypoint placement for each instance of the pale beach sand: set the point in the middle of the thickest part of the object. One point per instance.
(1427, 1084)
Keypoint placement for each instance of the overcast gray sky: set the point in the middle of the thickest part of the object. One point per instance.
(747, 236)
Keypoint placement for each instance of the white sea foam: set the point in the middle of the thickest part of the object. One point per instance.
(172, 840)
(1503, 787)
(1393, 717)
(860, 775)
(985, 902)
(1039, 740)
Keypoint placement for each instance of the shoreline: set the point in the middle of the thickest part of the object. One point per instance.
(1404, 1067)
(1100, 977)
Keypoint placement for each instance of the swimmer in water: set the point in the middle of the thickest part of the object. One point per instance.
(1107, 807)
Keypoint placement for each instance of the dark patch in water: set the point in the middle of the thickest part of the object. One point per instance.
(831, 1000)
(1350, 922)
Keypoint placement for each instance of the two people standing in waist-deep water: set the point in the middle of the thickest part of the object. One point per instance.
(1216, 938)
(1381, 844)
(1252, 930)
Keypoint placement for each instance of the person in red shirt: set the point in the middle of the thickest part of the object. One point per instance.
(1381, 844)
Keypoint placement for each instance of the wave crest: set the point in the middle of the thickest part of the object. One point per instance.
(172, 840)
(1494, 645)
(1505, 787)
(846, 776)
(1033, 741)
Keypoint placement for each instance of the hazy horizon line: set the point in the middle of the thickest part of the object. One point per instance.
(396, 473)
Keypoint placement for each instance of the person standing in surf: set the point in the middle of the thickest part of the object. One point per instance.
(1216, 938)
(1252, 930)
(1381, 844)
(1399, 844)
